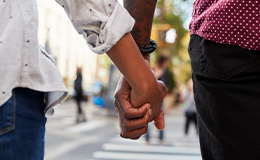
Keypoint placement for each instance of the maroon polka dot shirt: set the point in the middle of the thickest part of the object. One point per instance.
(235, 22)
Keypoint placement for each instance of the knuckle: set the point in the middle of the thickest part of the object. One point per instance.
(117, 111)
(117, 95)
(115, 103)
(125, 134)
(127, 114)
(127, 125)
(122, 135)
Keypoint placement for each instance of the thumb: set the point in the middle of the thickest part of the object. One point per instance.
(163, 87)
(159, 121)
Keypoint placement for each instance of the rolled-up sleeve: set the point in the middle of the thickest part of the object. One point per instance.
(102, 22)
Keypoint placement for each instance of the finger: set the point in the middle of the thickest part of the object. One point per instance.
(159, 121)
(135, 138)
(118, 114)
(135, 124)
(163, 87)
(134, 134)
(122, 96)
(132, 124)
(129, 111)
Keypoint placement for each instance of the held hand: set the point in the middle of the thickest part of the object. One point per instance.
(152, 94)
(144, 86)
(134, 121)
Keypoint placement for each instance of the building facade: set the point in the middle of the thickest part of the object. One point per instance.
(69, 49)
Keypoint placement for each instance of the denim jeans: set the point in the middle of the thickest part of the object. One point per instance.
(147, 135)
(227, 95)
(22, 126)
(161, 133)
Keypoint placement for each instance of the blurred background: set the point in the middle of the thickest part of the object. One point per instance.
(85, 126)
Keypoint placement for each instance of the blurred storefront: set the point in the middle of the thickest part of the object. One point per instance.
(68, 48)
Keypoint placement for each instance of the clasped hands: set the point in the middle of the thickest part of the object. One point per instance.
(137, 107)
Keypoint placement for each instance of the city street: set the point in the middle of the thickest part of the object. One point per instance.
(98, 138)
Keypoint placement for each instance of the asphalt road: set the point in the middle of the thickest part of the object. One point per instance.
(98, 138)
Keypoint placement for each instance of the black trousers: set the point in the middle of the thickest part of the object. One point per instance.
(190, 117)
(227, 94)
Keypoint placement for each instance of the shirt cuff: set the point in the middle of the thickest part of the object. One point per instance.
(119, 23)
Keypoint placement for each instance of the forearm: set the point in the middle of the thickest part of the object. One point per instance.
(128, 59)
(142, 11)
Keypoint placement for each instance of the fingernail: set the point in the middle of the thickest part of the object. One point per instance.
(150, 112)
(148, 106)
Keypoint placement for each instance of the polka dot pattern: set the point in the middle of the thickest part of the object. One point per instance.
(235, 22)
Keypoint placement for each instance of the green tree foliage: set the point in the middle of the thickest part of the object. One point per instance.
(177, 13)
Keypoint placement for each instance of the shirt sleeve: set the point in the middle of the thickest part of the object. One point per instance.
(101, 22)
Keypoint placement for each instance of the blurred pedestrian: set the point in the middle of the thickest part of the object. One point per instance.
(79, 96)
(161, 72)
(189, 106)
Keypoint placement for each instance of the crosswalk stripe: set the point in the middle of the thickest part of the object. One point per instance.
(186, 144)
(141, 156)
(152, 149)
(84, 127)
(66, 147)
(180, 143)
(126, 141)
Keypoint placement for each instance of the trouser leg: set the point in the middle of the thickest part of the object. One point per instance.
(79, 106)
(187, 123)
(26, 140)
(161, 135)
(147, 135)
(226, 91)
(194, 119)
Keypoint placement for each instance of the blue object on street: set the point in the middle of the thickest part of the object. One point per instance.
(98, 101)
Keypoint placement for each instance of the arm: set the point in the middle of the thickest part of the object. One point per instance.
(141, 33)
(144, 86)
(105, 25)
(127, 57)
(142, 11)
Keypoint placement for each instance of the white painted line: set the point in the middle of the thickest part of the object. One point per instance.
(85, 127)
(155, 141)
(139, 156)
(186, 144)
(126, 141)
(152, 149)
(56, 151)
